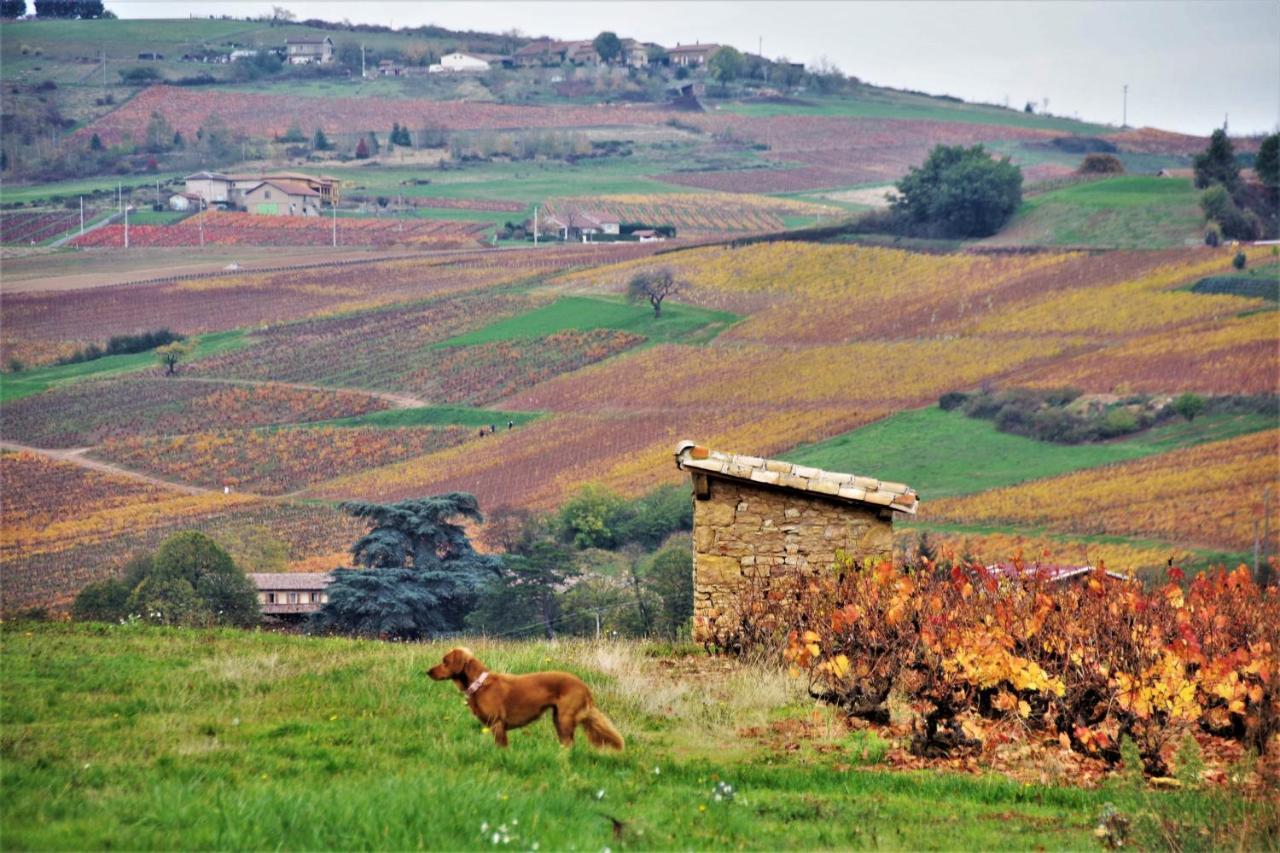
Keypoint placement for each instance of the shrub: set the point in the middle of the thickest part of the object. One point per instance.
(102, 601)
(1101, 164)
(1239, 260)
(1213, 235)
(952, 400)
(1188, 405)
(1094, 661)
(1120, 421)
(221, 589)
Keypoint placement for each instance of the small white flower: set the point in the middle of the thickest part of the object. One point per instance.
(515, 821)
(484, 827)
(600, 794)
(496, 838)
(86, 766)
(657, 771)
(533, 846)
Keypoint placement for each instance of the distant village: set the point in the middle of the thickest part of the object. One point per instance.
(542, 53)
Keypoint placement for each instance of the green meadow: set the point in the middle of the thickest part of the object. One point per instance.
(943, 454)
(126, 736)
(677, 323)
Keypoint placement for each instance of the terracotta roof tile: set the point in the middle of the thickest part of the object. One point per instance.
(802, 478)
(274, 581)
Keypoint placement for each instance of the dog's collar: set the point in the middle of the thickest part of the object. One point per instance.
(477, 684)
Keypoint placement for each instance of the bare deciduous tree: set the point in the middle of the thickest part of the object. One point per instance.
(654, 285)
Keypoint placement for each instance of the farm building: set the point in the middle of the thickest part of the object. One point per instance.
(541, 52)
(638, 54)
(690, 55)
(309, 51)
(756, 518)
(213, 187)
(582, 224)
(276, 197)
(461, 63)
(291, 593)
(221, 190)
(186, 201)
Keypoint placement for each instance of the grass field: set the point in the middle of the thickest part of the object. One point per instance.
(24, 383)
(433, 416)
(942, 454)
(678, 323)
(147, 738)
(1128, 212)
(873, 102)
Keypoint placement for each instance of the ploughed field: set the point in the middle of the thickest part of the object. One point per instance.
(382, 381)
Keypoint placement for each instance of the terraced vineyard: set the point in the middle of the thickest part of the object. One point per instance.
(768, 348)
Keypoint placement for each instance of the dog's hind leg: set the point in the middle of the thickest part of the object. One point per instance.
(499, 733)
(565, 724)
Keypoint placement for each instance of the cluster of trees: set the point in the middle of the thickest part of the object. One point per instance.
(957, 192)
(589, 567)
(82, 9)
(1237, 209)
(123, 345)
(190, 580)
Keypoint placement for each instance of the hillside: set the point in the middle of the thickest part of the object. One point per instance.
(769, 347)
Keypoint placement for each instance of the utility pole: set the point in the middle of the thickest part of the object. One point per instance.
(1124, 116)
(535, 226)
(81, 214)
(361, 61)
(126, 227)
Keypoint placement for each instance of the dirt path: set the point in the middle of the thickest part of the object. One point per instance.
(398, 401)
(76, 456)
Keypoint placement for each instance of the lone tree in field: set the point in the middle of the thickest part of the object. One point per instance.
(170, 354)
(421, 575)
(654, 285)
(960, 192)
(608, 45)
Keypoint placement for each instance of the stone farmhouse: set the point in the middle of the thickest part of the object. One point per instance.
(691, 55)
(291, 594)
(292, 193)
(309, 51)
(582, 224)
(276, 197)
(757, 518)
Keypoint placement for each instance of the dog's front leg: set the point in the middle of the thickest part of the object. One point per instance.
(499, 729)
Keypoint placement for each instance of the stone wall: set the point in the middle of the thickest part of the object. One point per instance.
(742, 530)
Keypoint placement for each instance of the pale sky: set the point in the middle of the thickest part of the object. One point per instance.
(1188, 63)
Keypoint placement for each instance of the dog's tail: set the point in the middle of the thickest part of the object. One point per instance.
(600, 732)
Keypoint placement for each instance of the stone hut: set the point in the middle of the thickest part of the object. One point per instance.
(755, 518)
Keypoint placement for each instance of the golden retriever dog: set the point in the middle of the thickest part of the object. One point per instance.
(506, 702)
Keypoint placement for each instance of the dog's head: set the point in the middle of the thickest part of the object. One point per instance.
(454, 665)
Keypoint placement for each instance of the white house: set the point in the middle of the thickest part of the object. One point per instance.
(309, 51)
(213, 187)
(186, 201)
(462, 62)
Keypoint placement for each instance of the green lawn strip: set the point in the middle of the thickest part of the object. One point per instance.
(24, 383)
(150, 738)
(1258, 282)
(73, 189)
(432, 416)
(677, 323)
(944, 454)
(530, 182)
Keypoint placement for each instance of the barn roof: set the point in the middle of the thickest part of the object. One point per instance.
(274, 581)
(287, 187)
(800, 478)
